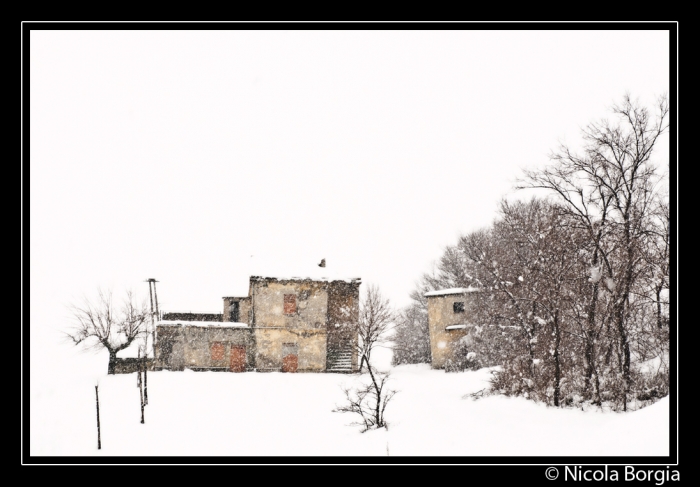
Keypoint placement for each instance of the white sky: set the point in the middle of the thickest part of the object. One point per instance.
(180, 154)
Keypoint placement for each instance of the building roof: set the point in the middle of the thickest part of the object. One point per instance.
(305, 277)
(454, 290)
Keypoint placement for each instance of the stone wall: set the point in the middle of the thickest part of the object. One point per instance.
(297, 320)
(202, 347)
(310, 345)
(268, 298)
(343, 314)
(130, 365)
(244, 309)
(186, 316)
(310, 321)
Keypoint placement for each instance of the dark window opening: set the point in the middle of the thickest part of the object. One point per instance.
(458, 307)
(290, 304)
(235, 311)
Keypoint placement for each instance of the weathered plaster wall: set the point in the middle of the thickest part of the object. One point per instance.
(304, 327)
(180, 347)
(198, 341)
(268, 302)
(440, 315)
(311, 345)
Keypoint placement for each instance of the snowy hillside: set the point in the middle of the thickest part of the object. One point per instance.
(270, 414)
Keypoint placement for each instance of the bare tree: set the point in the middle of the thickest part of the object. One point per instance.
(609, 189)
(376, 320)
(411, 339)
(100, 326)
(369, 400)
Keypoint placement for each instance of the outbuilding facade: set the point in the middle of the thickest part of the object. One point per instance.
(449, 324)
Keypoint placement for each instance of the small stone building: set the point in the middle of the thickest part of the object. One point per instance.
(283, 324)
(448, 322)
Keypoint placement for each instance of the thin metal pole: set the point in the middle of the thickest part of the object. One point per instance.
(156, 295)
(153, 341)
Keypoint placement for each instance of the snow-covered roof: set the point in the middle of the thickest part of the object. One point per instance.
(455, 327)
(454, 290)
(221, 324)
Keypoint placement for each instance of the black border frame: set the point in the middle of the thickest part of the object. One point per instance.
(524, 463)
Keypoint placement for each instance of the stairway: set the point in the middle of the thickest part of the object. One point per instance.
(340, 361)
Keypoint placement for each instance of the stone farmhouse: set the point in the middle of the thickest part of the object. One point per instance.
(287, 324)
(448, 323)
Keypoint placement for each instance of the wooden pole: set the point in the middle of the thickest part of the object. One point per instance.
(97, 402)
(151, 285)
(145, 380)
(141, 392)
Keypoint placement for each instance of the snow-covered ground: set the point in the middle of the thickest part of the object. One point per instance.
(270, 414)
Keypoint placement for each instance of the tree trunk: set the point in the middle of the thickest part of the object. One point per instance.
(557, 363)
(112, 362)
(363, 361)
(145, 382)
(590, 334)
(378, 392)
(659, 315)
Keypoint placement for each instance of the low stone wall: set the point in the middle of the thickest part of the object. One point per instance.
(129, 365)
(192, 316)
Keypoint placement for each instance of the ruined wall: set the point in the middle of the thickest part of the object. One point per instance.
(244, 308)
(440, 315)
(169, 348)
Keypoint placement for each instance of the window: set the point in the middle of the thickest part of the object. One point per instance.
(217, 351)
(458, 307)
(290, 304)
